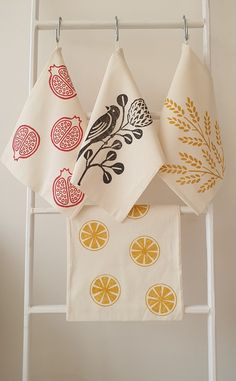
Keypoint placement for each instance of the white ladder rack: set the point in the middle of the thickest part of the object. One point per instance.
(31, 210)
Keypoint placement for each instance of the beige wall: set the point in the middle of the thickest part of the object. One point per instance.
(112, 351)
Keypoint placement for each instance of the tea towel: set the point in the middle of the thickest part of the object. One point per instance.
(190, 134)
(43, 147)
(120, 152)
(128, 271)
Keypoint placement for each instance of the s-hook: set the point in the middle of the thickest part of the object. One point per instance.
(58, 30)
(186, 34)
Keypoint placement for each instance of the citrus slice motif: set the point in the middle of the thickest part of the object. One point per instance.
(105, 290)
(144, 251)
(138, 211)
(161, 299)
(93, 235)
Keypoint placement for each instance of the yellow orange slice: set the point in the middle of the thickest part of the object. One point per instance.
(138, 211)
(105, 290)
(94, 235)
(161, 299)
(144, 251)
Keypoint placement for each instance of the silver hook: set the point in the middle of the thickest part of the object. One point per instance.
(117, 29)
(58, 30)
(186, 34)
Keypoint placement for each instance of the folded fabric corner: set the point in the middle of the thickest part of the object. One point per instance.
(120, 153)
(43, 147)
(190, 135)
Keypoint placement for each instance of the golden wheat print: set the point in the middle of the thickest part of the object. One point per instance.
(208, 167)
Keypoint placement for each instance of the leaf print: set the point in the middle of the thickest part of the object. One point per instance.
(116, 145)
(128, 138)
(137, 133)
(122, 100)
(107, 177)
(111, 155)
(118, 168)
(88, 154)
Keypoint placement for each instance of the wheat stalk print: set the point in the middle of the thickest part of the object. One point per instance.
(199, 132)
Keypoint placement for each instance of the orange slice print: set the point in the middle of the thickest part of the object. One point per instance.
(161, 299)
(138, 211)
(105, 290)
(144, 251)
(94, 235)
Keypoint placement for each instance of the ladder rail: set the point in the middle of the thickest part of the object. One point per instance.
(31, 210)
(30, 203)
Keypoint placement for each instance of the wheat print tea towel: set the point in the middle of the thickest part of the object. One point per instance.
(120, 153)
(128, 271)
(190, 134)
(43, 147)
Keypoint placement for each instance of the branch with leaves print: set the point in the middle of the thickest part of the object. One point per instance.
(105, 131)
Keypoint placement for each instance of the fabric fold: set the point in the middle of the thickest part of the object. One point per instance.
(43, 147)
(190, 135)
(120, 153)
(125, 272)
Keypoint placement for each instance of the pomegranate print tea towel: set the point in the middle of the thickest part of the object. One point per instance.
(43, 148)
(120, 153)
(125, 272)
(190, 135)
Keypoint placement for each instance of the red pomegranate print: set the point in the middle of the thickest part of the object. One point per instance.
(60, 82)
(66, 194)
(25, 142)
(66, 134)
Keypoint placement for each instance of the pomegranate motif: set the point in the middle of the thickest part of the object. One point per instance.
(25, 142)
(60, 82)
(66, 194)
(66, 134)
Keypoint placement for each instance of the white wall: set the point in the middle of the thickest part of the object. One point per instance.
(64, 351)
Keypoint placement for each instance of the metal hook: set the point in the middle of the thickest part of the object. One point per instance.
(58, 30)
(186, 34)
(117, 29)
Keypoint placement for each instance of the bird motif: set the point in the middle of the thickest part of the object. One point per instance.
(102, 127)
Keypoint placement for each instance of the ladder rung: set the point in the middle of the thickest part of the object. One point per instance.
(61, 309)
(47, 210)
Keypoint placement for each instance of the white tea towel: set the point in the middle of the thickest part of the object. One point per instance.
(190, 134)
(125, 271)
(43, 148)
(120, 152)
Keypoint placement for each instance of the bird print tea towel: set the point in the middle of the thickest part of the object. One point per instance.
(190, 135)
(120, 152)
(125, 272)
(43, 147)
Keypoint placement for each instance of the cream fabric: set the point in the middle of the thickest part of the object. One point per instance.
(190, 134)
(43, 147)
(120, 153)
(119, 271)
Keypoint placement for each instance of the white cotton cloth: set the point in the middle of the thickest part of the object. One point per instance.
(128, 271)
(43, 147)
(190, 134)
(120, 153)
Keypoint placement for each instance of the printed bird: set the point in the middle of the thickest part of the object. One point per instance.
(102, 127)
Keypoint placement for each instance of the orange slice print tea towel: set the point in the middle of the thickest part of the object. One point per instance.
(120, 153)
(190, 135)
(43, 147)
(125, 272)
